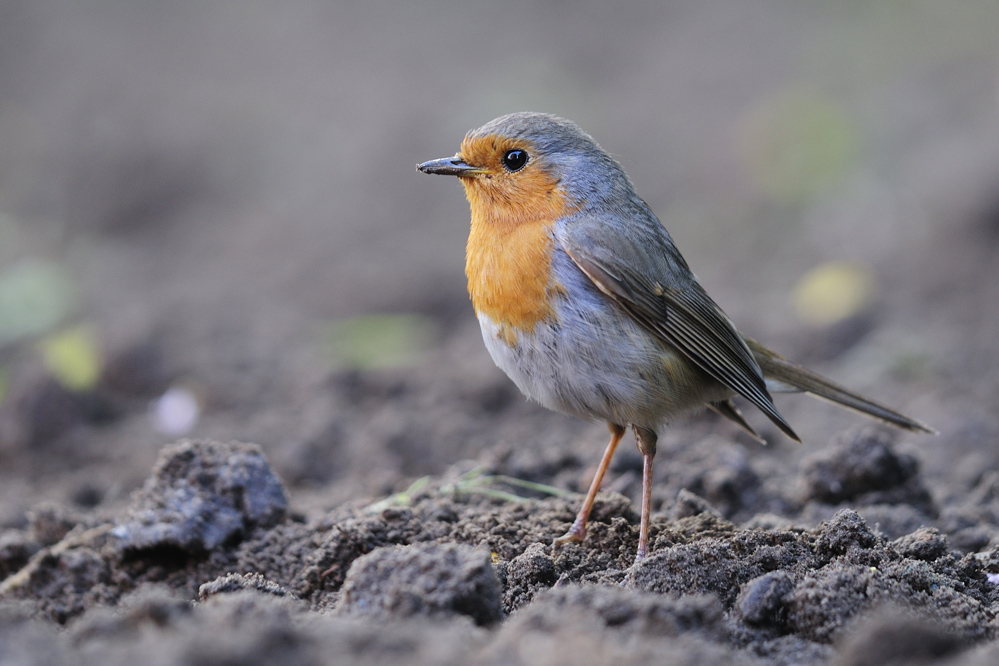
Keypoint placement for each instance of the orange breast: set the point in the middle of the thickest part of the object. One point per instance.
(509, 254)
(508, 272)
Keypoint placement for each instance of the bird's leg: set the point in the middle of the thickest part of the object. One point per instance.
(646, 440)
(578, 530)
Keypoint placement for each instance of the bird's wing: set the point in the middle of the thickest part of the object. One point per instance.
(641, 269)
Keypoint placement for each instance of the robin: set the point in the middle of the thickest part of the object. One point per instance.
(588, 306)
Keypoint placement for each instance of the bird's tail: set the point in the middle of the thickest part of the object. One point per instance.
(788, 374)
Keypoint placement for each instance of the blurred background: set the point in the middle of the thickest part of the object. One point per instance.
(211, 225)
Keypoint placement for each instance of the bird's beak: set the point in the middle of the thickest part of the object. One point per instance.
(450, 166)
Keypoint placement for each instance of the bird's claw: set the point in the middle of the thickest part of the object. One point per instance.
(576, 534)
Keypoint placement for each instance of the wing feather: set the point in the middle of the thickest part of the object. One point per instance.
(652, 282)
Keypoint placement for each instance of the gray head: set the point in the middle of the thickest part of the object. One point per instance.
(522, 142)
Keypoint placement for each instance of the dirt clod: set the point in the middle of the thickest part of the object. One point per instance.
(423, 579)
(926, 543)
(863, 466)
(210, 227)
(202, 494)
(892, 637)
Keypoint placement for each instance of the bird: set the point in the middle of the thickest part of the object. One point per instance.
(585, 302)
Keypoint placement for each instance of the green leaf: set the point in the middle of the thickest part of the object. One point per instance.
(4, 382)
(798, 144)
(379, 340)
(35, 296)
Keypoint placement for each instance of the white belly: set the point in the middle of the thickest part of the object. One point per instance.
(594, 361)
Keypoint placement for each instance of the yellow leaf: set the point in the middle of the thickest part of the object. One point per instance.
(73, 358)
(832, 292)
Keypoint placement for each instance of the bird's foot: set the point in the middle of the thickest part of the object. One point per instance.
(576, 533)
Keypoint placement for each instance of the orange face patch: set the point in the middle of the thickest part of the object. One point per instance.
(508, 258)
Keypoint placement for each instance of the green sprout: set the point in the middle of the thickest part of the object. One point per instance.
(476, 482)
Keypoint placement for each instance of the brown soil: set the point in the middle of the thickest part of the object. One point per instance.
(221, 183)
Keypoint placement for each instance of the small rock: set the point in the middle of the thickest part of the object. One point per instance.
(763, 600)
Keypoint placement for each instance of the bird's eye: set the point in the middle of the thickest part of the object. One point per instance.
(515, 159)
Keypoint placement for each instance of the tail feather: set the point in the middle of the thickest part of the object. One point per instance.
(778, 369)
